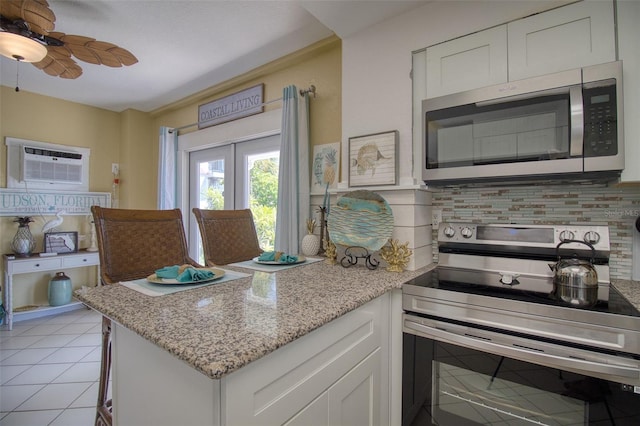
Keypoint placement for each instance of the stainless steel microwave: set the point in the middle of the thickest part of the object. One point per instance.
(561, 126)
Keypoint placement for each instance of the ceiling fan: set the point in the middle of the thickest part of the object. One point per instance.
(26, 34)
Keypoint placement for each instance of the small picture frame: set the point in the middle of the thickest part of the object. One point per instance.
(373, 159)
(61, 242)
(325, 168)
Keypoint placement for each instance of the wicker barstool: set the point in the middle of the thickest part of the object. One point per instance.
(228, 236)
(133, 244)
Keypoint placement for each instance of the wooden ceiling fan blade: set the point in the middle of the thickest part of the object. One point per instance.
(84, 54)
(107, 58)
(36, 13)
(75, 39)
(125, 57)
(59, 65)
(72, 72)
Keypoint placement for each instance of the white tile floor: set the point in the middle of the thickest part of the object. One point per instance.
(49, 370)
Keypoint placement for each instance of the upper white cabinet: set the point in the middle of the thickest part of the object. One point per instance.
(568, 37)
(469, 62)
(573, 36)
(629, 50)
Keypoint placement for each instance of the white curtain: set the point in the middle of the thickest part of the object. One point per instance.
(167, 169)
(293, 175)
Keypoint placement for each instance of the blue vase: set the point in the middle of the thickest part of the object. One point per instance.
(59, 290)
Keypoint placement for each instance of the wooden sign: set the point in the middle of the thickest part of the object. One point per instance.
(232, 107)
(22, 203)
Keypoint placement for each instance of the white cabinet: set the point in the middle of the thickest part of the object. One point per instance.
(568, 37)
(341, 359)
(629, 49)
(349, 401)
(334, 375)
(573, 36)
(469, 62)
(14, 265)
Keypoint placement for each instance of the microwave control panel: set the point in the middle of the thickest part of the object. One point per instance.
(600, 121)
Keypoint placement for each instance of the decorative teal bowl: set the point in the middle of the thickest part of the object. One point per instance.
(361, 218)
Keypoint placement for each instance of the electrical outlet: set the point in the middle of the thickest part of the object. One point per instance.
(436, 218)
(115, 168)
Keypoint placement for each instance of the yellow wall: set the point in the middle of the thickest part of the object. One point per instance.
(130, 138)
(319, 64)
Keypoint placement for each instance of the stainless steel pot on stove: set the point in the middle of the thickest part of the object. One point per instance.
(575, 281)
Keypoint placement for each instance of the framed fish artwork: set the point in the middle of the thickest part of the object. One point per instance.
(373, 159)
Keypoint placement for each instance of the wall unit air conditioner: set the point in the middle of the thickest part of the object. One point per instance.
(39, 165)
(46, 165)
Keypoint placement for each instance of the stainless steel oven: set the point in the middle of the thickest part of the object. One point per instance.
(486, 342)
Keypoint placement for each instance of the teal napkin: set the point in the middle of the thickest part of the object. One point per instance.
(267, 256)
(287, 258)
(193, 274)
(270, 256)
(168, 272)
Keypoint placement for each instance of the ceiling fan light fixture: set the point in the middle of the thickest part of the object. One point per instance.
(20, 48)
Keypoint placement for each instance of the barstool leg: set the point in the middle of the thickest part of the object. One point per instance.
(103, 409)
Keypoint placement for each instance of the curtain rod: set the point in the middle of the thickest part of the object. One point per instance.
(311, 89)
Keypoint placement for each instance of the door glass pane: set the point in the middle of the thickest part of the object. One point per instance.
(262, 184)
(211, 185)
(210, 188)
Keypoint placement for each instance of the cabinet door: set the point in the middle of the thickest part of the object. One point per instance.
(569, 37)
(469, 62)
(284, 384)
(628, 36)
(316, 413)
(355, 398)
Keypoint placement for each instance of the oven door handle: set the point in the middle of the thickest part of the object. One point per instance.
(522, 353)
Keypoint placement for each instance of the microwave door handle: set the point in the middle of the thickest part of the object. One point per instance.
(577, 121)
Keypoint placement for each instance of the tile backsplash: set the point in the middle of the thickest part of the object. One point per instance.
(615, 206)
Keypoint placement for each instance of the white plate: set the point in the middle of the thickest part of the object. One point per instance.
(218, 273)
(273, 262)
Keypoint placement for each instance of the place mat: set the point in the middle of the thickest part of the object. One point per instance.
(150, 289)
(250, 264)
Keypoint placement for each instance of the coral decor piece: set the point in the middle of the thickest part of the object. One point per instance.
(331, 252)
(396, 255)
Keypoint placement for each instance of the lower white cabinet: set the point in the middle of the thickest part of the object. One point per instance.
(352, 400)
(341, 359)
(335, 375)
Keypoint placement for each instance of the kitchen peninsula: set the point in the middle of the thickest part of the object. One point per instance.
(313, 341)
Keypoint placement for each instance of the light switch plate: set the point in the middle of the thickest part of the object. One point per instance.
(436, 218)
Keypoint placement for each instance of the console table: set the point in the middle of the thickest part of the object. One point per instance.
(14, 265)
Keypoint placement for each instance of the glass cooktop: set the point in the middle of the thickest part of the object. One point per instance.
(617, 304)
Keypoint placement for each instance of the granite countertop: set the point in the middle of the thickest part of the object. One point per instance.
(629, 289)
(219, 328)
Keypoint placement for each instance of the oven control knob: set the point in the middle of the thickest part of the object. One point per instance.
(592, 237)
(466, 232)
(566, 235)
(449, 232)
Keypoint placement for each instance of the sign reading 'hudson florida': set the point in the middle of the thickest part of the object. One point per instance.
(19, 203)
(232, 107)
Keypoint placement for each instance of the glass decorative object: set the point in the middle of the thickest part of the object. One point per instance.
(23, 242)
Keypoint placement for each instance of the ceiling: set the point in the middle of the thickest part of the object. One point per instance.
(185, 46)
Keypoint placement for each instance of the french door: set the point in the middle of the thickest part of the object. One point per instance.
(236, 176)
